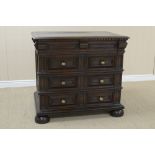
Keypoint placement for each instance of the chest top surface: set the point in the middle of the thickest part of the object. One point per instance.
(84, 34)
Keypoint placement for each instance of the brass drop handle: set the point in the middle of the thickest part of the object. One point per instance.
(63, 63)
(102, 62)
(63, 83)
(63, 101)
(101, 98)
(102, 81)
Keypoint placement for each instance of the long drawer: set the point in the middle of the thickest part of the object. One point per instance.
(73, 63)
(51, 82)
(59, 45)
(76, 100)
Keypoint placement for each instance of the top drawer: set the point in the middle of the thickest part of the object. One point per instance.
(75, 44)
(57, 44)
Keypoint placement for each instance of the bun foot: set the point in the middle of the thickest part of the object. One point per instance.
(42, 119)
(117, 113)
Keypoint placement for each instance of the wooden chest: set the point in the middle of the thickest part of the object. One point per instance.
(78, 73)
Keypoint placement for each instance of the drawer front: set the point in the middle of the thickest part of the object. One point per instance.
(48, 45)
(63, 62)
(74, 44)
(62, 100)
(100, 80)
(103, 80)
(99, 98)
(101, 62)
(102, 98)
(59, 101)
(54, 63)
(57, 82)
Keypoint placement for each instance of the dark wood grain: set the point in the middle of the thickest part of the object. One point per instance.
(78, 73)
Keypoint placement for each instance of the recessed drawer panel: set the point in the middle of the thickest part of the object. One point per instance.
(63, 62)
(101, 62)
(99, 97)
(59, 101)
(102, 98)
(62, 100)
(100, 80)
(56, 82)
(104, 80)
(100, 44)
(63, 82)
(57, 45)
(56, 63)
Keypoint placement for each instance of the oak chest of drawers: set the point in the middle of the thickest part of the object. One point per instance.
(78, 73)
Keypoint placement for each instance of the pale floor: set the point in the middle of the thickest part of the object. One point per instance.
(17, 110)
